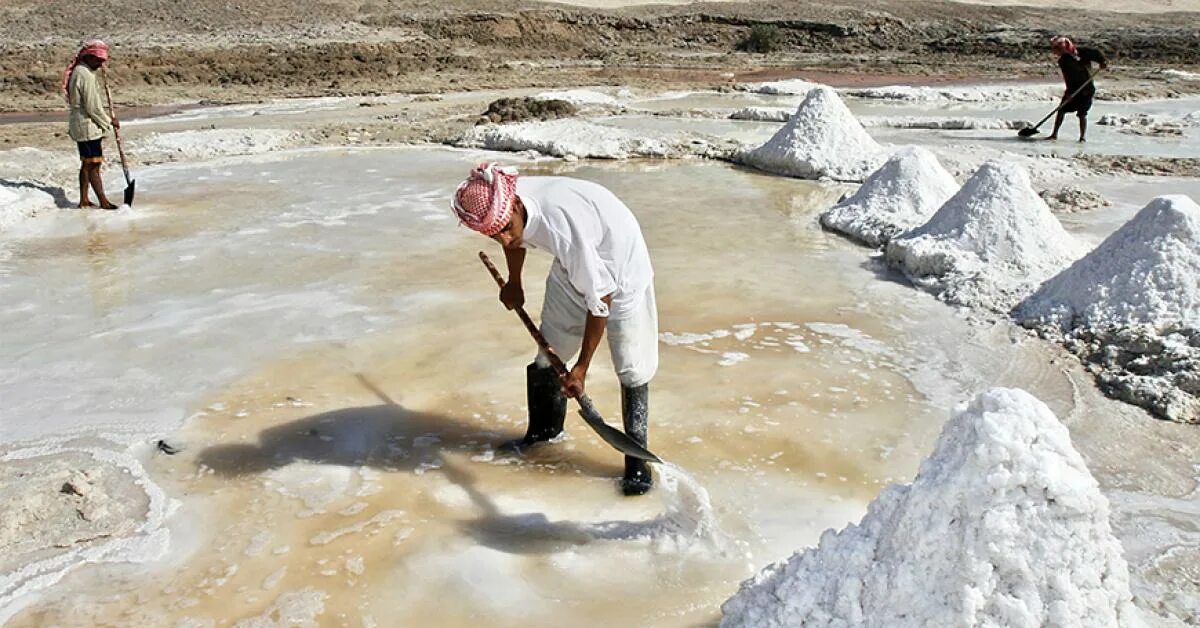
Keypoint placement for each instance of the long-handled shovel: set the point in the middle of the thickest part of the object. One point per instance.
(618, 439)
(1031, 131)
(129, 183)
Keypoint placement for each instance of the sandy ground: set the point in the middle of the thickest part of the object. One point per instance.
(226, 52)
(1137, 6)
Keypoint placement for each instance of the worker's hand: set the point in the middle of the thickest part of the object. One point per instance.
(512, 295)
(116, 123)
(572, 382)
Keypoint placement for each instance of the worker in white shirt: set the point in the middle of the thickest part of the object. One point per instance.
(601, 280)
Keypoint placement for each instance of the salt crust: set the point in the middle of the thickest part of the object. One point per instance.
(578, 139)
(964, 93)
(788, 87)
(900, 195)
(821, 140)
(1003, 526)
(581, 97)
(21, 199)
(988, 246)
(211, 143)
(783, 114)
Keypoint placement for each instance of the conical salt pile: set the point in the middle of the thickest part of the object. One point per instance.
(1003, 526)
(990, 245)
(1146, 272)
(821, 140)
(900, 195)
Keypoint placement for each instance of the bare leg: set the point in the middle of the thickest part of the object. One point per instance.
(84, 201)
(1082, 127)
(98, 186)
(1057, 123)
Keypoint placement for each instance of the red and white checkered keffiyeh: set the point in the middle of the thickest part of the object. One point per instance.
(484, 201)
(90, 48)
(1063, 46)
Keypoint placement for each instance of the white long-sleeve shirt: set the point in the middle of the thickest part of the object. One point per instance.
(594, 238)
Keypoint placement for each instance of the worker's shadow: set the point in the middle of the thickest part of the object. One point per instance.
(57, 193)
(534, 533)
(394, 439)
(387, 437)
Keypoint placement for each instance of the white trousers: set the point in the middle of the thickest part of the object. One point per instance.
(632, 341)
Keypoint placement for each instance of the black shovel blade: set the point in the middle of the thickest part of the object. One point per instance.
(129, 193)
(1028, 132)
(615, 438)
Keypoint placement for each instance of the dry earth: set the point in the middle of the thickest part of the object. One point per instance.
(243, 50)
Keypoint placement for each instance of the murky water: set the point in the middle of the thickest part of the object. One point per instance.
(348, 371)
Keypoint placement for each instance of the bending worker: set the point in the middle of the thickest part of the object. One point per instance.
(1076, 66)
(601, 280)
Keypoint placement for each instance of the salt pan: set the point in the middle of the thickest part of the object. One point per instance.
(1003, 526)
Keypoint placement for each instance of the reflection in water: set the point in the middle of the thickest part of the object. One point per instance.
(107, 282)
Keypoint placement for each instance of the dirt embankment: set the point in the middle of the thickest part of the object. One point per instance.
(251, 49)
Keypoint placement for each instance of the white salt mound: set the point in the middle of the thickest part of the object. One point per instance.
(762, 114)
(1003, 526)
(788, 87)
(988, 246)
(821, 140)
(572, 138)
(902, 194)
(1146, 272)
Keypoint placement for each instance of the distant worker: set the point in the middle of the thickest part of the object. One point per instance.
(1076, 66)
(601, 280)
(88, 122)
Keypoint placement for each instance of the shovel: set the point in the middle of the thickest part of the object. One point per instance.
(129, 183)
(616, 438)
(1031, 131)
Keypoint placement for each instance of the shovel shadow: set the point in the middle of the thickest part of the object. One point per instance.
(57, 193)
(387, 437)
(533, 533)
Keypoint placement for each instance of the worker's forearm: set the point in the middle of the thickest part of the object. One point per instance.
(515, 260)
(593, 333)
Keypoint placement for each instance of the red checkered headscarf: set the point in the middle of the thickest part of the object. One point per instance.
(484, 201)
(90, 48)
(1063, 46)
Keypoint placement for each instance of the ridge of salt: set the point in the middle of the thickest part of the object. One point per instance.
(1004, 525)
(822, 139)
(990, 245)
(903, 193)
(568, 138)
(786, 87)
(1145, 272)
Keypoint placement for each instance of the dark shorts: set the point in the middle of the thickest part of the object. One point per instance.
(1080, 104)
(91, 151)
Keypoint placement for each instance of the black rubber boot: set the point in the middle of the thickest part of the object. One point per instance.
(635, 411)
(547, 407)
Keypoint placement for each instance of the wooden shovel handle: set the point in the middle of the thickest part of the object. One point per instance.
(555, 361)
